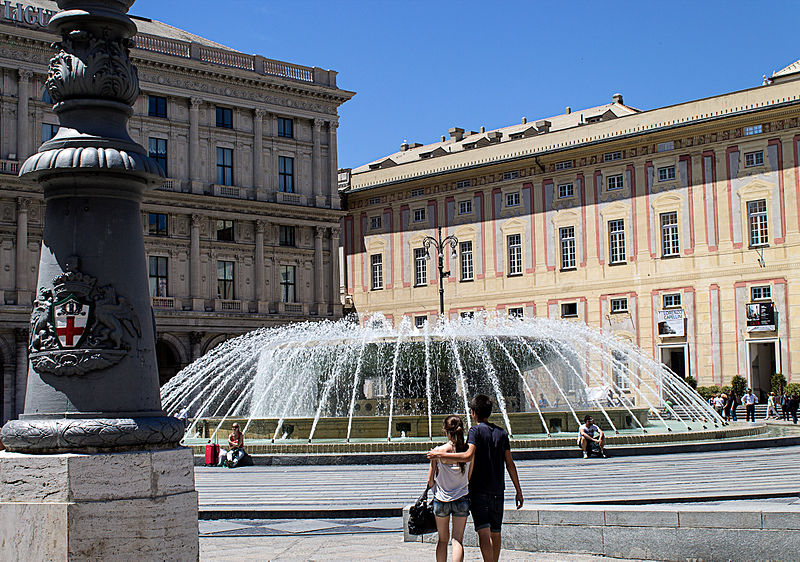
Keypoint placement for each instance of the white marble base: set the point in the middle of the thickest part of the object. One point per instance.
(116, 506)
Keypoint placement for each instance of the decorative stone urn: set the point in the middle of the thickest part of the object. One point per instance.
(93, 442)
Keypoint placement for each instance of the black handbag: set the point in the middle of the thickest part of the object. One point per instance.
(421, 520)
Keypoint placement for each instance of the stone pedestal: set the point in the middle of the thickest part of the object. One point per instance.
(136, 505)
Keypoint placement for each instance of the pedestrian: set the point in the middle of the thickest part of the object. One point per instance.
(719, 403)
(489, 449)
(771, 407)
(729, 402)
(750, 401)
(450, 483)
(737, 401)
(784, 406)
(794, 401)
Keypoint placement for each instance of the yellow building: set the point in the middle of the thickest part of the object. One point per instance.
(675, 228)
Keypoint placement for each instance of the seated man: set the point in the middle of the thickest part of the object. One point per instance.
(591, 438)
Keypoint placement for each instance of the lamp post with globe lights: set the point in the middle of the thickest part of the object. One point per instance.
(440, 245)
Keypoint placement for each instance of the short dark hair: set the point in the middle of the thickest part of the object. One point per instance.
(587, 418)
(482, 406)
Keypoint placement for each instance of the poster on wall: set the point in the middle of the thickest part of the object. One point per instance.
(760, 317)
(670, 323)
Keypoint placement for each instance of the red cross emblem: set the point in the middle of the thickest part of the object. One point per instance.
(70, 317)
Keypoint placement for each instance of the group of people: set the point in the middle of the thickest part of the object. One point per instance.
(726, 404)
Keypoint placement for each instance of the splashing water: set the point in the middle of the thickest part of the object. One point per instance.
(339, 380)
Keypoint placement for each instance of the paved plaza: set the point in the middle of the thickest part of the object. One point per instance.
(657, 478)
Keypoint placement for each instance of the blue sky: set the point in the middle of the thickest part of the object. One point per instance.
(421, 67)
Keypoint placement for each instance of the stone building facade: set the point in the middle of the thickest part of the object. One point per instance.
(675, 228)
(245, 231)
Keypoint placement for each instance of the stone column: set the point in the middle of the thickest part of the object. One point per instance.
(196, 290)
(262, 305)
(23, 123)
(319, 274)
(335, 298)
(21, 380)
(21, 253)
(195, 163)
(333, 191)
(258, 154)
(319, 194)
(195, 339)
(9, 383)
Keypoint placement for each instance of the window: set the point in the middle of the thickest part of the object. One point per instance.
(672, 300)
(753, 159)
(288, 283)
(516, 312)
(419, 215)
(157, 224)
(566, 190)
(285, 127)
(567, 236)
(48, 131)
(46, 97)
(157, 106)
(514, 254)
(619, 305)
(754, 130)
(512, 199)
(225, 117)
(665, 146)
(464, 207)
(374, 200)
(376, 261)
(224, 166)
(465, 251)
(619, 367)
(158, 152)
(468, 315)
(463, 183)
(757, 219)
(417, 192)
(419, 321)
(286, 235)
(158, 276)
(225, 230)
(565, 165)
(614, 182)
(286, 174)
(666, 173)
(420, 267)
(616, 240)
(669, 234)
(761, 293)
(510, 175)
(375, 222)
(611, 156)
(569, 310)
(225, 280)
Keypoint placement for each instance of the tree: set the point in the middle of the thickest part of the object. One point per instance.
(777, 383)
(739, 384)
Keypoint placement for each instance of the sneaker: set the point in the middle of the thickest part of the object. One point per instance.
(585, 455)
(604, 454)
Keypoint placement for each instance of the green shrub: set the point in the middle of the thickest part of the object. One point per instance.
(739, 384)
(708, 391)
(777, 383)
(691, 381)
(793, 387)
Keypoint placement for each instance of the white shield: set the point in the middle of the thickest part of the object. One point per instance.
(70, 317)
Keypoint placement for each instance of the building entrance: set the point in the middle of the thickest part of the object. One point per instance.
(675, 358)
(763, 361)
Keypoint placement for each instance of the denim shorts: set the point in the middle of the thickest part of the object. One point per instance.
(487, 511)
(456, 508)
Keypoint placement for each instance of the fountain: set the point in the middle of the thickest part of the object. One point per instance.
(350, 383)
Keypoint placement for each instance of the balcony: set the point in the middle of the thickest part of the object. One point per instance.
(9, 167)
(230, 191)
(163, 302)
(224, 305)
(290, 198)
(170, 184)
(292, 308)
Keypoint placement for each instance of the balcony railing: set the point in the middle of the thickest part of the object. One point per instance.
(163, 302)
(170, 184)
(292, 308)
(290, 198)
(228, 191)
(230, 306)
(9, 167)
(234, 59)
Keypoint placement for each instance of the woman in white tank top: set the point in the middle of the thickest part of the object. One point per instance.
(450, 483)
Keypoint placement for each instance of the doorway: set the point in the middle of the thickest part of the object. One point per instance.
(763, 360)
(674, 357)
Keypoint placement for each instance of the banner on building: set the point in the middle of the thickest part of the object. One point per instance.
(761, 317)
(671, 323)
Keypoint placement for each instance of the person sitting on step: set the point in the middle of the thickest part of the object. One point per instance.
(591, 438)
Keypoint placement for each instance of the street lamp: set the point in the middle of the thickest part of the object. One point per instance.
(440, 245)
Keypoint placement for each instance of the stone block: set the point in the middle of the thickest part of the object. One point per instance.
(719, 519)
(570, 538)
(33, 531)
(783, 519)
(572, 515)
(648, 543)
(645, 516)
(33, 478)
(173, 471)
(722, 544)
(520, 537)
(107, 476)
(526, 515)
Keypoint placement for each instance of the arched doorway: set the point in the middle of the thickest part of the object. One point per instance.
(169, 362)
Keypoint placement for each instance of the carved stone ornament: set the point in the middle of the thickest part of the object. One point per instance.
(87, 66)
(78, 327)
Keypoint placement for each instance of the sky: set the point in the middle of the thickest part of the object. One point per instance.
(420, 67)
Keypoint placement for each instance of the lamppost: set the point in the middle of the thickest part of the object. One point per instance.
(440, 245)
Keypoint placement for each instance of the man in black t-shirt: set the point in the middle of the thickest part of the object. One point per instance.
(489, 450)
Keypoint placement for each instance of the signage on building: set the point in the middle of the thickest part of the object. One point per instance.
(671, 323)
(26, 14)
(761, 317)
